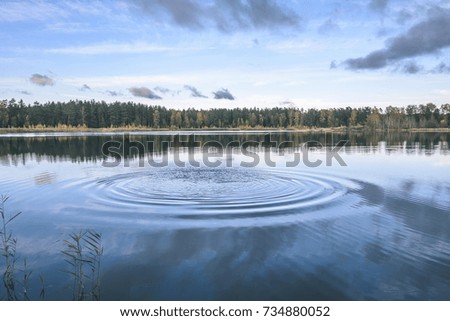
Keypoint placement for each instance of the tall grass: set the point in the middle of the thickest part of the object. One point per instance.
(8, 245)
(83, 251)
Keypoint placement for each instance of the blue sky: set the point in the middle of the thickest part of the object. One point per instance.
(227, 53)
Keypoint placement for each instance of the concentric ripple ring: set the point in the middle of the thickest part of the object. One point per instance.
(219, 194)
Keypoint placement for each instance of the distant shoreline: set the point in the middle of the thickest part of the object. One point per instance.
(113, 130)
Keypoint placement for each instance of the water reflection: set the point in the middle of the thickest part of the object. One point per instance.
(377, 229)
(20, 149)
(258, 264)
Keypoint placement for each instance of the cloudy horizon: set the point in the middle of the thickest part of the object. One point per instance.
(219, 53)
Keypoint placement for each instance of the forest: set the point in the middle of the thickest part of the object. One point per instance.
(99, 114)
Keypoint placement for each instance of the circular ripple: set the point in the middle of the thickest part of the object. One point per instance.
(218, 194)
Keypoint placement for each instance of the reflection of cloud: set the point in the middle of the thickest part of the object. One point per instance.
(202, 262)
(442, 163)
(44, 178)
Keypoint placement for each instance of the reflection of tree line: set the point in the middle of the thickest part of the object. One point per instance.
(89, 148)
(96, 114)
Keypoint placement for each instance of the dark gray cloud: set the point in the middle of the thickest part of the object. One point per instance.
(224, 15)
(194, 91)
(185, 13)
(403, 16)
(426, 37)
(24, 92)
(288, 104)
(143, 92)
(85, 87)
(41, 80)
(166, 91)
(442, 68)
(162, 90)
(328, 26)
(223, 94)
(411, 68)
(113, 93)
(378, 5)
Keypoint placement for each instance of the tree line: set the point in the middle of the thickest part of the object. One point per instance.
(99, 114)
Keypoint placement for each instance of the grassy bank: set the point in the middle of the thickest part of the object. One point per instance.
(69, 129)
(80, 129)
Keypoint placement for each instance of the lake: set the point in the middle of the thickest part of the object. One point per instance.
(235, 216)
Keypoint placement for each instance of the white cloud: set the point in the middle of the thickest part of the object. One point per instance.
(108, 48)
(127, 81)
(97, 8)
(14, 11)
(295, 46)
(38, 10)
(442, 92)
(69, 27)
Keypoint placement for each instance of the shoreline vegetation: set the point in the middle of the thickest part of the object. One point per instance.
(99, 116)
(81, 130)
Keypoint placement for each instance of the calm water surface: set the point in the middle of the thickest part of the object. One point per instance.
(376, 229)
